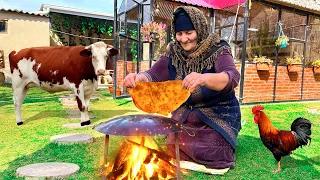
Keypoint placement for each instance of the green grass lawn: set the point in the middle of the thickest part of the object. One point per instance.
(43, 117)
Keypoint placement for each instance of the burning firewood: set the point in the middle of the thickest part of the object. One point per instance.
(141, 162)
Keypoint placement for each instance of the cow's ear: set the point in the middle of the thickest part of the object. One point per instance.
(86, 52)
(113, 52)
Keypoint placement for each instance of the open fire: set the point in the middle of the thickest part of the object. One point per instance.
(140, 158)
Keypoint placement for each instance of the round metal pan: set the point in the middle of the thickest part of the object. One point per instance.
(139, 125)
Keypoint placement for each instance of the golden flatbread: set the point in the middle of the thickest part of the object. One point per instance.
(159, 97)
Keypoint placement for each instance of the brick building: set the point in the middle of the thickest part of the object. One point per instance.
(257, 32)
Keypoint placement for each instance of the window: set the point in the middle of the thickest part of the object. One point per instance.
(225, 19)
(262, 35)
(3, 26)
(293, 26)
(313, 41)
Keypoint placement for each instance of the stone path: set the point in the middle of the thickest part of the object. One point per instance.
(76, 138)
(48, 170)
(57, 169)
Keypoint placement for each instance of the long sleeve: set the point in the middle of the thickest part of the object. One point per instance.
(225, 63)
(159, 71)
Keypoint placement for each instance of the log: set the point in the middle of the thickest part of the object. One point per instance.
(165, 169)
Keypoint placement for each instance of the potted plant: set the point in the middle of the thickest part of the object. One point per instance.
(294, 64)
(262, 63)
(153, 30)
(155, 33)
(282, 42)
(111, 89)
(316, 66)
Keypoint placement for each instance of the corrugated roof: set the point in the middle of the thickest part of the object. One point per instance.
(200, 3)
(22, 12)
(127, 5)
(306, 5)
(214, 4)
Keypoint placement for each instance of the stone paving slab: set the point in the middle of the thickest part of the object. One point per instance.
(314, 111)
(76, 138)
(57, 170)
(94, 97)
(76, 126)
(75, 114)
(69, 102)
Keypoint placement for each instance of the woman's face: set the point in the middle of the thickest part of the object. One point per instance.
(187, 39)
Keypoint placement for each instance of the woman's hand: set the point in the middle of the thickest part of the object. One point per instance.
(193, 80)
(131, 79)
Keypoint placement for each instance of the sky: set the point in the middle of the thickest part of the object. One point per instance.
(105, 6)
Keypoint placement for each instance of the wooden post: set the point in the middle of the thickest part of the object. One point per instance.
(176, 136)
(105, 157)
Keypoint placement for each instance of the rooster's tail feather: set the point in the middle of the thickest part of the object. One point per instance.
(302, 129)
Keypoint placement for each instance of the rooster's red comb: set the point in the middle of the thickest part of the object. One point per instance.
(256, 109)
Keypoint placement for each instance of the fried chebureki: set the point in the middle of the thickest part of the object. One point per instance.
(159, 97)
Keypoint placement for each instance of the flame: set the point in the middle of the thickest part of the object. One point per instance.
(141, 159)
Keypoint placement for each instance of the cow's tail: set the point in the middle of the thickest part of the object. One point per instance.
(11, 60)
(11, 55)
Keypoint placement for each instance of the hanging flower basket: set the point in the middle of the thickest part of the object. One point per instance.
(294, 67)
(282, 42)
(263, 63)
(294, 63)
(316, 67)
(316, 70)
(263, 66)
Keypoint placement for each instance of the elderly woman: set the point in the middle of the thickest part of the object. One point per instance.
(212, 112)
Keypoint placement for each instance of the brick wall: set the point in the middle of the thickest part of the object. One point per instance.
(259, 85)
(131, 68)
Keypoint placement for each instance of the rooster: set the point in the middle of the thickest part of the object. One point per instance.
(280, 142)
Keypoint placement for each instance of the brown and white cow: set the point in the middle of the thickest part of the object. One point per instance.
(55, 69)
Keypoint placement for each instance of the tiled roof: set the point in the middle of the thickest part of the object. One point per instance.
(306, 5)
(20, 11)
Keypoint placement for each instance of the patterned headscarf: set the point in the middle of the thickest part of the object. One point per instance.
(202, 57)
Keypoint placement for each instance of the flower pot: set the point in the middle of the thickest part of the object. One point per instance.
(118, 92)
(283, 44)
(262, 66)
(316, 70)
(294, 67)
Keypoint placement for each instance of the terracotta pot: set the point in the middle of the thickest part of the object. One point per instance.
(316, 70)
(294, 67)
(118, 92)
(262, 66)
